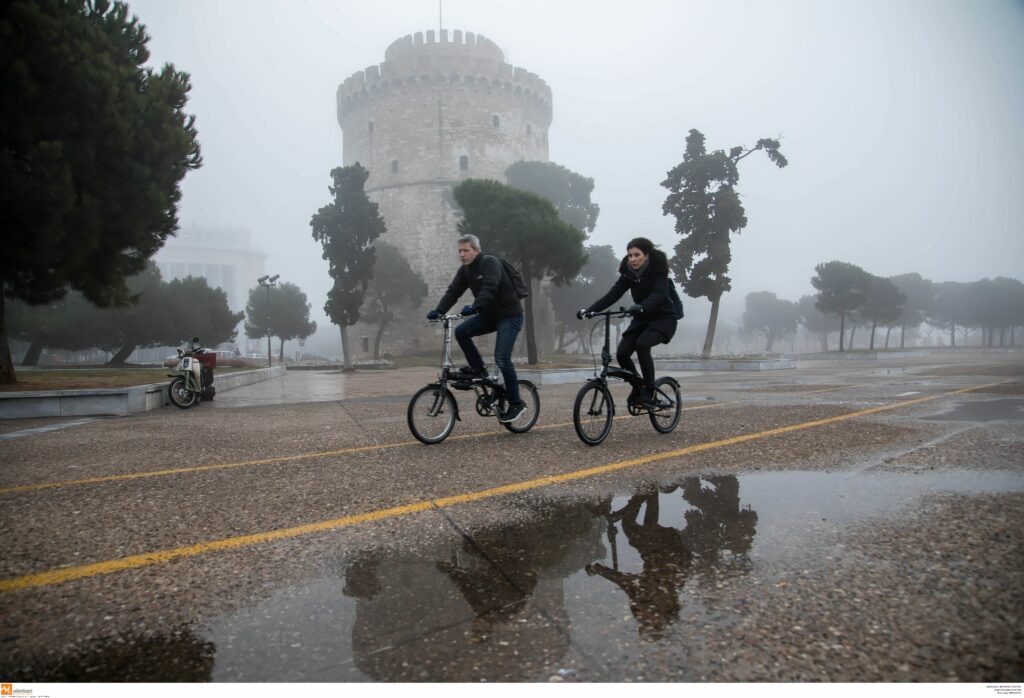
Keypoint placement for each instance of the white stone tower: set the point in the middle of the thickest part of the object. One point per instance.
(433, 113)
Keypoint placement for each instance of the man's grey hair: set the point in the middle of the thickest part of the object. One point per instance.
(473, 241)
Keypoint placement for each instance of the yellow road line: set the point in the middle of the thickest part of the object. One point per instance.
(67, 574)
(278, 459)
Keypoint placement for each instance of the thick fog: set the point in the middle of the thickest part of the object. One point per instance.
(901, 120)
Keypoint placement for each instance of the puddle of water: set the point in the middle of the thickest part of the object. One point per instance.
(595, 578)
(586, 587)
(984, 411)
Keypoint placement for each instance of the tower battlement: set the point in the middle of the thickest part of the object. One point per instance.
(421, 60)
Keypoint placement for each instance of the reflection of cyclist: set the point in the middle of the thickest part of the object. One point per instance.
(654, 592)
(644, 273)
(497, 589)
(717, 523)
(495, 308)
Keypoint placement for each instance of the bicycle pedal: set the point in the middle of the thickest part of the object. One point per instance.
(462, 384)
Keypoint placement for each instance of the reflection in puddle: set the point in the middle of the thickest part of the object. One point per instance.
(715, 525)
(579, 590)
(984, 411)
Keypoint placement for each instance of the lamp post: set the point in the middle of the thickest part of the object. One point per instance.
(266, 282)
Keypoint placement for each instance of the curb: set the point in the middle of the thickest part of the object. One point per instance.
(112, 401)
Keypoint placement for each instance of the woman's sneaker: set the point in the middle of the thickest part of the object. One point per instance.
(645, 398)
(515, 411)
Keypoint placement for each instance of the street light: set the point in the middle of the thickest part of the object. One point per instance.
(267, 281)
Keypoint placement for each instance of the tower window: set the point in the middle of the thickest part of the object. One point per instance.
(496, 120)
(366, 345)
(394, 166)
(463, 162)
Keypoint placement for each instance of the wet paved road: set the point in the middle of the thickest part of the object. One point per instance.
(844, 521)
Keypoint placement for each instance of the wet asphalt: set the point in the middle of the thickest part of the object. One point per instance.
(844, 521)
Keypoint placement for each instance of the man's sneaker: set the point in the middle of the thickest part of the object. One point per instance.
(515, 411)
(468, 372)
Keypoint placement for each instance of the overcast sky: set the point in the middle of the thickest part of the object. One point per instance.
(901, 119)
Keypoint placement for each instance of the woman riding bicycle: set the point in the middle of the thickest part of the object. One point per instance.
(644, 273)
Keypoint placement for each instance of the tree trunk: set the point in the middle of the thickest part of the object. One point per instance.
(280, 352)
(709, 338)
(769, 341)
(7, 376)
(903, 335)
(849, 343)
(122, 354)
(871, 344)
(35, 350)
(824, 341)
(346, 357)
(561, 338)
(531, 339)
(842, 329)
(380, 336)
(952, 335)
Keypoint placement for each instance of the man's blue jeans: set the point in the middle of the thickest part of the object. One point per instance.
(508, 329)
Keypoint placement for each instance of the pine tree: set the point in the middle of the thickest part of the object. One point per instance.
(347, 228)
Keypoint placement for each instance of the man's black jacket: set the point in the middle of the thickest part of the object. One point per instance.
(492, 289)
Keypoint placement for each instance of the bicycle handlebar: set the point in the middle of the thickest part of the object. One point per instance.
(621, 312)
(453, 316)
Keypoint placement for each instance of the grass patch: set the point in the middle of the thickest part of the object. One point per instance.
(86, 378)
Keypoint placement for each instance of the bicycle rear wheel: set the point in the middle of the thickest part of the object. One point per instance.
(528, 394)
(666, 417)
(592, 413)
(431, 414)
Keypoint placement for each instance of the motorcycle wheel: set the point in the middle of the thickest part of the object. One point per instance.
(179, 395)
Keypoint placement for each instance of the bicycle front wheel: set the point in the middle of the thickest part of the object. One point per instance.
(666, 394)
(431, 414)
(592, 413)
(528, 394)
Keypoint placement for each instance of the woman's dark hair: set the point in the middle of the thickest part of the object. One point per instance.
(657, 257)
(642, 244)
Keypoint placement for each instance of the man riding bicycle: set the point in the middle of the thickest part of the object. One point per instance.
(495, 308)
(644, 273)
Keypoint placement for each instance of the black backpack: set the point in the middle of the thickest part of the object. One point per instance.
(519, 285)
(677, 304)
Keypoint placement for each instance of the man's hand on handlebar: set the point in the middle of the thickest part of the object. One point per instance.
(468, 310)
(433, 315)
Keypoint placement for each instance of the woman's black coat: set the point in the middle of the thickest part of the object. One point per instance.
(651, 291)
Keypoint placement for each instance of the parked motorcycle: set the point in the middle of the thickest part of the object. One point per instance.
(192, 378)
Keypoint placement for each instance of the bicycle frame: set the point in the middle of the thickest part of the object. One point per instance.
(606, 352)
(446, 364)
